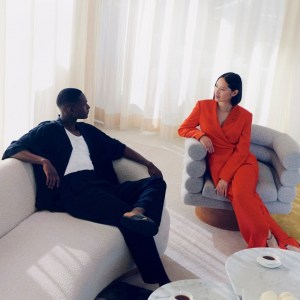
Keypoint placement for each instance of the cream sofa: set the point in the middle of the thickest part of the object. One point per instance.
(46, 255)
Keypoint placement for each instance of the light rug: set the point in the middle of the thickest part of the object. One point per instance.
(194, 248)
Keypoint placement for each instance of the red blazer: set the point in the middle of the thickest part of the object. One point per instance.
(231, 141)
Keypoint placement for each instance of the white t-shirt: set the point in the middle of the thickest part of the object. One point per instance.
(80, 156)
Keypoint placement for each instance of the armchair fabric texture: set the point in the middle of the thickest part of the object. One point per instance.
(278, 157)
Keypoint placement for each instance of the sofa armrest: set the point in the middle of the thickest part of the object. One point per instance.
(194, 149)
(288, 151)
(285, 147)
(194, 166)
(264, 136)
(280, 151)
(17, 193)
(129, 170)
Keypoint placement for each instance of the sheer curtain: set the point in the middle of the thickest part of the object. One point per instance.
(156, 58)
(143, 64)
(46, 45)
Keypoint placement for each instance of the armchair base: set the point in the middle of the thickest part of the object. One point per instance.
(220, 218)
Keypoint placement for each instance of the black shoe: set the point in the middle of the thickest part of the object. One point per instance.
(139, 224)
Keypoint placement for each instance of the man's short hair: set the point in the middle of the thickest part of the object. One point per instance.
(68, 96)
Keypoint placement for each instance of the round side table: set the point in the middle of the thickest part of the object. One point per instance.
(250, 279)
(198, 288)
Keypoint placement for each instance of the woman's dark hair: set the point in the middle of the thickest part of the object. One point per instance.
(234, 82)
(68, 96)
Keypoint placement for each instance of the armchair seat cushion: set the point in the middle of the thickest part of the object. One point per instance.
(266, 187)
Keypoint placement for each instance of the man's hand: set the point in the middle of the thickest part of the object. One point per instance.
(51, 174)
(153, 170)
(133, 155)
(207, 143)
(222, 187)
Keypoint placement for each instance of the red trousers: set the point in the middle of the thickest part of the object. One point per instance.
(253, 217)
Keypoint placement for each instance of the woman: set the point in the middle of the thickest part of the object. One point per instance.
(225, 131)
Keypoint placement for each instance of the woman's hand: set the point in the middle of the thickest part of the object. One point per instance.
(222, 187)
(207, 143)
(51, 174)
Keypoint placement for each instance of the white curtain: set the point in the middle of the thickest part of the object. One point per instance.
(156, 58)
(45, 45)
(144, 63)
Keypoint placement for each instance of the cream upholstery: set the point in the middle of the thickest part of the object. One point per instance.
(46, 255)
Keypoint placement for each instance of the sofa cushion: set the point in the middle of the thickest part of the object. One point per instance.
(286, 177)
(266, 187)
(262, 153)
(276, 207)
(55, 256)
(286, 194)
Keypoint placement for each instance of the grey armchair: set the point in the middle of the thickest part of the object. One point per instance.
(278, 157)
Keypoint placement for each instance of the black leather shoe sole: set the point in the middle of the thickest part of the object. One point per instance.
(139, 224)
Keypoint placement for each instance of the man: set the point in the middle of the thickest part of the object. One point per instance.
(72, 163)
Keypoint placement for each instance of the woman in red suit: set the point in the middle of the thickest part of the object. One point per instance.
(224, 129)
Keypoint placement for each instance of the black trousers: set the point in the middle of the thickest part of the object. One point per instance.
(85, 196)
